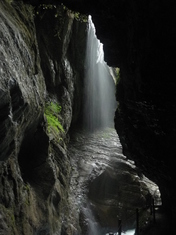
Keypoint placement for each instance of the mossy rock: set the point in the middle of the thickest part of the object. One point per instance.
(54, 126)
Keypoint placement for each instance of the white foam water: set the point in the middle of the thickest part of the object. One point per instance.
(99, 86)
(128, 232)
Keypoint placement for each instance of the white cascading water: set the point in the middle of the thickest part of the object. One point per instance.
(99, 87)
(99, 93)
(93, 227)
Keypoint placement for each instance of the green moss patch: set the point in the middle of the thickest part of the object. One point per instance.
(54, 127)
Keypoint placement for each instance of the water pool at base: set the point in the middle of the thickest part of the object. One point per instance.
(128, 232)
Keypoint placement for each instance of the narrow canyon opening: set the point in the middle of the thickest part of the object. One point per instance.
(106, 187)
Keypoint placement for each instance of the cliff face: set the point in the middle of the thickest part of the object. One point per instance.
(139, 37)
(37, 93)
(146, 112)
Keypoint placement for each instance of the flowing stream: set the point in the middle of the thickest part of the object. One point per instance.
(96, 147)
(91, 153)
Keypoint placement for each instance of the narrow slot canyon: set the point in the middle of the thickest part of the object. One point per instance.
(87, 117)
(105, 186)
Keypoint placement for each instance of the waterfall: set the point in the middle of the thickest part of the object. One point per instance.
(93, 228)
(99, 87)
(90, 151)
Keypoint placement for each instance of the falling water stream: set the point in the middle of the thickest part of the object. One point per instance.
(99, 88)
(97, 146)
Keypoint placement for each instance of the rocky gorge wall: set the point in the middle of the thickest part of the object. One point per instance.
(139, 37)
(38, 86)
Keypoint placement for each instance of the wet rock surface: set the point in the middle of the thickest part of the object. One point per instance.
(139, 37)
(20, 75)
(34, 166)
(105, 181)
(145, 119)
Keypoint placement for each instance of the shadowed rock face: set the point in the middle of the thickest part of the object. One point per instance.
(19, 68)
(36, 68)
(139, 37)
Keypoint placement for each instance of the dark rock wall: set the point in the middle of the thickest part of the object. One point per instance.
(36, 68)
(145, 118)
(139, 37)
(146, 112)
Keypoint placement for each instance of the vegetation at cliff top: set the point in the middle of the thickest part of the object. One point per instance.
(78, 16)
(51, 114)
